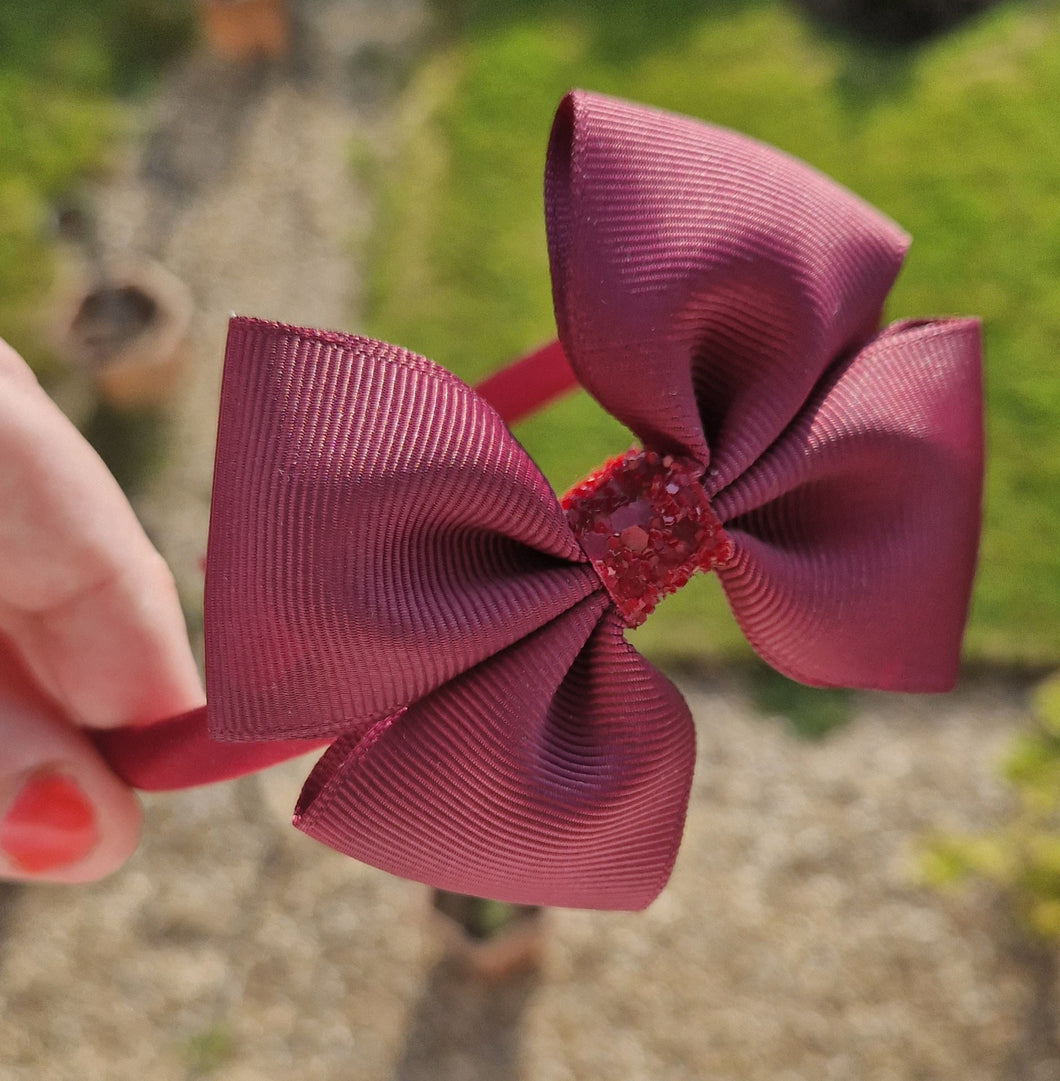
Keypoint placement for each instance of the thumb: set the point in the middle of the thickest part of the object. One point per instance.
(64, 816)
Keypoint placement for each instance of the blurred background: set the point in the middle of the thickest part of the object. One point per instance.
(870, 886)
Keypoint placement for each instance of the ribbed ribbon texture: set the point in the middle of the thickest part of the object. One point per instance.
(388, 571)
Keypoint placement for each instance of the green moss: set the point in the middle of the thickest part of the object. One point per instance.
(208, 1050)
(1018, 859)
(810, 712)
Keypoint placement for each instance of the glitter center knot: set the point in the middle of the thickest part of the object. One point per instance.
(647, 526)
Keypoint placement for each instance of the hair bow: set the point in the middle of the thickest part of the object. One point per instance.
(389, 572)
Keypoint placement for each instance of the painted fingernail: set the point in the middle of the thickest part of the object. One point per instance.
(50, 824)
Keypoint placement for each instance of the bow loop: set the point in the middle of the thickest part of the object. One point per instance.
(856, 534)
(732, 273)
(375, 530)
(567, 788)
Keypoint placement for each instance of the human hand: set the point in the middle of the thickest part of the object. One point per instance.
(91, 636)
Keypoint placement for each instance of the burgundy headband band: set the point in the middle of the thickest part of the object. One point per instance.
(388, 573)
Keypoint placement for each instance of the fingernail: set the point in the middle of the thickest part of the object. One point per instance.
(50, 824)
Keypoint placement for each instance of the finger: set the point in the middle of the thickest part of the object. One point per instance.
(91, 606)
(64, 816)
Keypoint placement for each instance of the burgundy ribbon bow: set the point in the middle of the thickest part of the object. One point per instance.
(388, 571)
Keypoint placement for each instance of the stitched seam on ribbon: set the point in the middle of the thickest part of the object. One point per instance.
(375, 733)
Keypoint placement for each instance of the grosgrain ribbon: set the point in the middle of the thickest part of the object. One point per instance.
(390, 574)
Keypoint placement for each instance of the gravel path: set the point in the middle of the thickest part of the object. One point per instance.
(792, 943)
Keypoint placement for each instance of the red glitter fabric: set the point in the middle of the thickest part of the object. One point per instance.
(388, 571)
(646, 525)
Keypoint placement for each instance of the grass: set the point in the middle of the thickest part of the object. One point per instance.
(810, 712)
(955, 140)
(65, 66)
(207, 1050)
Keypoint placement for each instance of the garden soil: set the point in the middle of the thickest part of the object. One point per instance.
(793, 942)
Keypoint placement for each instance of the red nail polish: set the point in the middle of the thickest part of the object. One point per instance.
(49, 825)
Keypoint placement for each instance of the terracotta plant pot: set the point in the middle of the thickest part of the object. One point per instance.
(245, 30)
(493, 942)
(130, 335)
